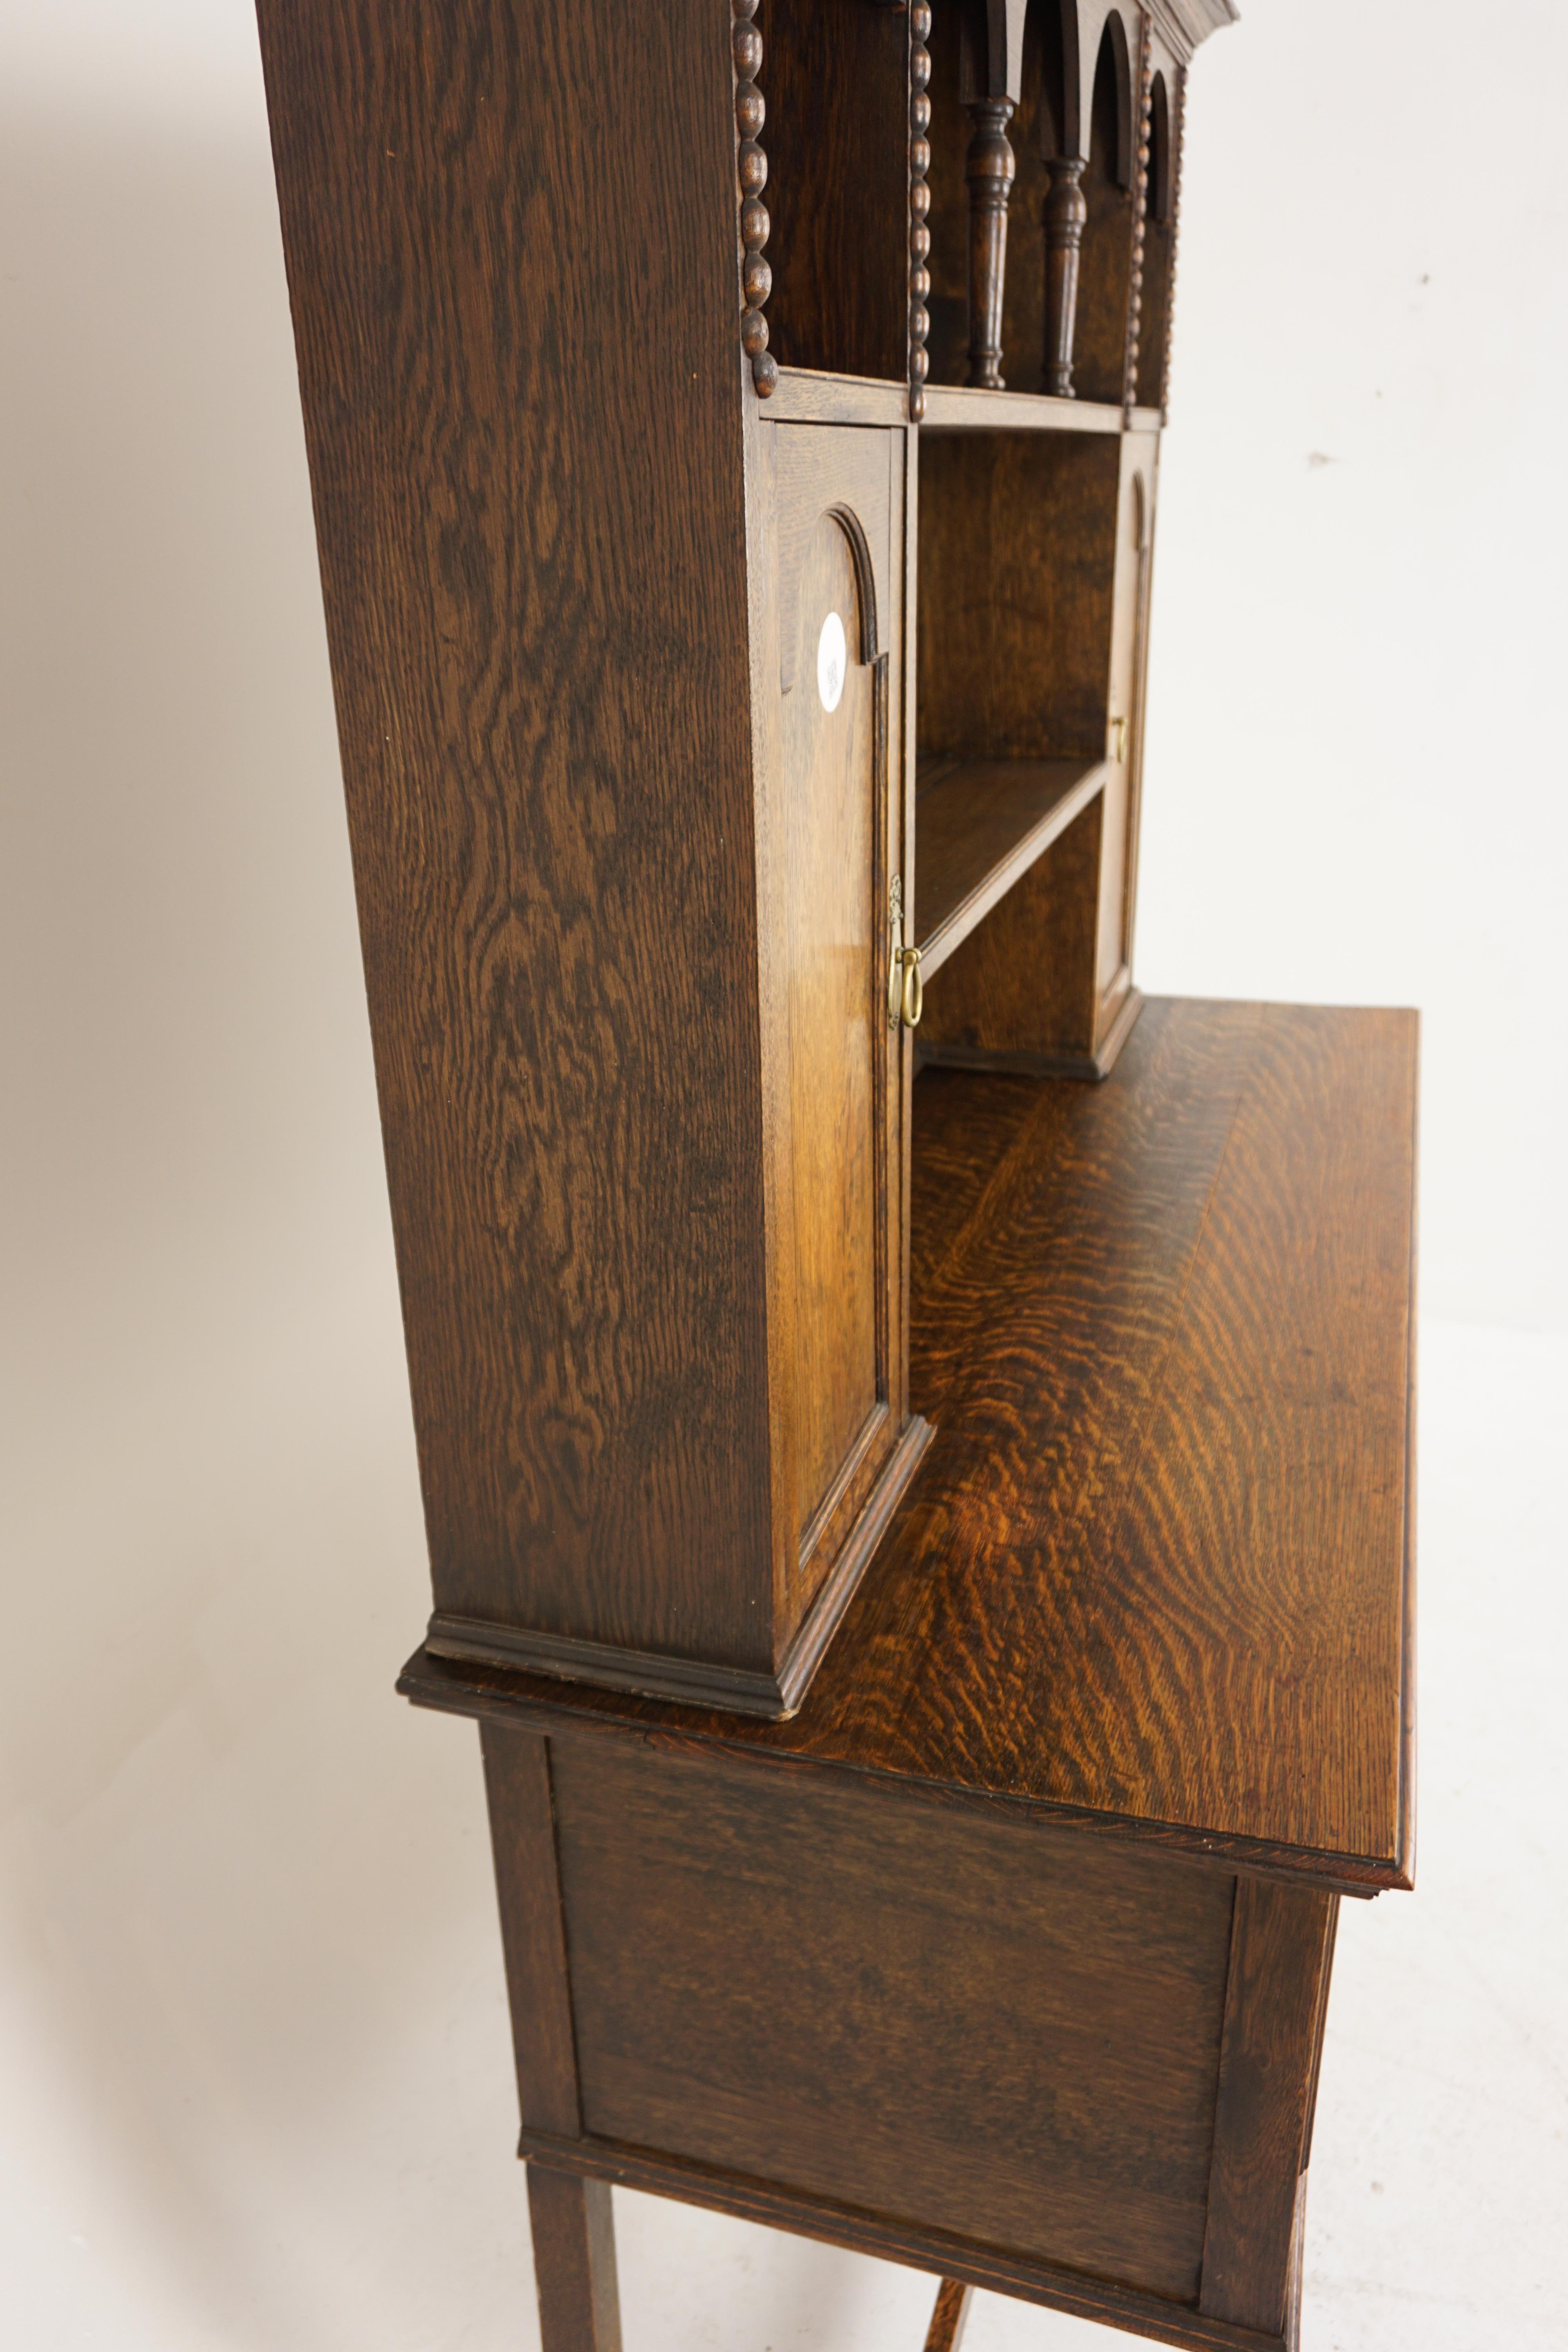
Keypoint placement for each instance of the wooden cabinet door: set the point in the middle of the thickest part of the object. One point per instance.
(830, 829)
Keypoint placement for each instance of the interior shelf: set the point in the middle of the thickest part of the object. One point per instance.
(980, 824)
(954, 407)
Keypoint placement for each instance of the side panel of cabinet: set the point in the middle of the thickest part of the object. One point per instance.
(533, 559)
(829, 831)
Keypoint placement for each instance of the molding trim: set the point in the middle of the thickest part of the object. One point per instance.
(490, 1691)
(1186, 23)
(697, 1682)
(1092, 1068)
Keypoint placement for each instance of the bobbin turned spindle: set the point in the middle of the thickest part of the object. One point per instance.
(1066, 213)
(989, 169)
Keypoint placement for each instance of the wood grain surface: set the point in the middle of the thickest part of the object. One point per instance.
(1017, 560)
(959, 408)
(534, 1935)
(837, 84)
(1020, 988)
(970, 2024)
(1106, 258)
(1281, 1951)
(979, 825)
(574, 2262)
(949, 2317)
(829, 834)
(531, 519)
(833, 811)
(977, 2263)
(1154, 1574)
(1155, 324)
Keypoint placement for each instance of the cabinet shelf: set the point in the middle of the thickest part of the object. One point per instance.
(818, 396)
(957, 408)
(980, 824)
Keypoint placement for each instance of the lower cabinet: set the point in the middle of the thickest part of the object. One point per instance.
(1027, 2058)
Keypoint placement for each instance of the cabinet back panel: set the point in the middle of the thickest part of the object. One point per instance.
(772, 1977)
(1018, 555)
(1106, 261)
(835, 81)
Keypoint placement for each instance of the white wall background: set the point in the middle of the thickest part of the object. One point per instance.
(252, 2039)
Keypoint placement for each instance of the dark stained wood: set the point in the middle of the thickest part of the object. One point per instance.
(982, 824)
(839, 132)
(803, 397)
(830, 842)
(1066, 218)
(957, 36)
(950, 2317)
(1178, 141)
(988, 168)
(1020, 991)
(979, 2265)
(538, 622)
(835, 804)
(951, 408)
(522, 1838)
(784, 1977)
(1134, 320)
(563, 754)
(574, 2262)
(752, 171)
(919, 202)
(1282, 1950)
(1008, 1956)
(1152, 1576)
(1024, 323)
(1018, 551)
(1158, 230)
(1105, 259)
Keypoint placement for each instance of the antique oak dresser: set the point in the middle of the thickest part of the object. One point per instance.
(915, 1439)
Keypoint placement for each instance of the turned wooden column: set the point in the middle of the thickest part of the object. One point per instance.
(1066, 213)
(988, 168)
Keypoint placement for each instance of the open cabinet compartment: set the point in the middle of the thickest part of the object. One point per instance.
(835, 82)
(1032, 588)
(1029, 102)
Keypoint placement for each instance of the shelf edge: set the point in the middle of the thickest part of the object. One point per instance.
(1026, 851)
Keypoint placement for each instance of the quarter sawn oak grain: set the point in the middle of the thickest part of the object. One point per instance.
(1153, 1575)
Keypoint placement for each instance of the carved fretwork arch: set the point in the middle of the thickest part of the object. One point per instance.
(1114, 72)
(1159, 153)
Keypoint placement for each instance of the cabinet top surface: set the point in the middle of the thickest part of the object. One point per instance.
(1154, 1575)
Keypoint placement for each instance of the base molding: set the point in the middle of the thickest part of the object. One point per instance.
(1091, 1066)
(972, 2265)
(697, 1681)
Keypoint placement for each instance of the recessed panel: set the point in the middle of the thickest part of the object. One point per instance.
(961, 2021)
(830, 801)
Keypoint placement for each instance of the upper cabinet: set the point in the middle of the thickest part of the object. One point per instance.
(675, 858)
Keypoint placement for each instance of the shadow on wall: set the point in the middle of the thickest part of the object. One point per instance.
(235, 1872)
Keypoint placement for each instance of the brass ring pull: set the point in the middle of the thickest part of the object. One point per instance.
(914, 995)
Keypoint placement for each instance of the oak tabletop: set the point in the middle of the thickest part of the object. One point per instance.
(1154, 1577)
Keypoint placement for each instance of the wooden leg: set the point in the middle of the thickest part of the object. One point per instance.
(950, 2317)
(574, 2262)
